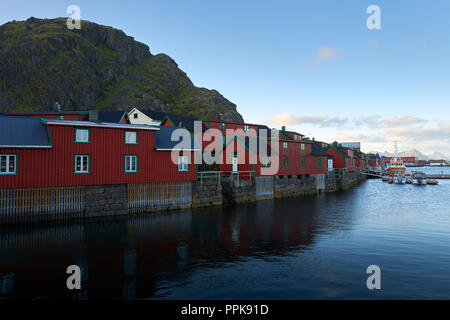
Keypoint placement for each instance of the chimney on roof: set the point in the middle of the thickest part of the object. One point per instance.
(314, 139)
(93, 115)
(283, 128)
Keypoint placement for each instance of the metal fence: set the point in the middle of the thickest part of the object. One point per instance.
(320, 179)
(264, 187)
(159, 196)
(28, 205)
(218, 176)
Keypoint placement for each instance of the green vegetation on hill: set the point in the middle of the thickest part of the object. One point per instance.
(43, 62)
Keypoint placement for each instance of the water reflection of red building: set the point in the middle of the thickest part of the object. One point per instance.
(145, 256)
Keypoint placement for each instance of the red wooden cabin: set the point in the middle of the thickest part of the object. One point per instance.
(72, 153)
(296, 156)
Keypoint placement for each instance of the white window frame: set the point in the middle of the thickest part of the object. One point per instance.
(302, 147)
(246, 128)
(183, 164)
(7, 164)
(127, 136)
(77, 138)
(131, 169)
(265, 162)
(81, 157)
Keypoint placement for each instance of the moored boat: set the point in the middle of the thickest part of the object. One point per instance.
(419, 178)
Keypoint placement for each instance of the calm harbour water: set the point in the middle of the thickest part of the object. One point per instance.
(312, 247)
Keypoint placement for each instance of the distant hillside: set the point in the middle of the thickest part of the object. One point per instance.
(43, 62)
(416, 153)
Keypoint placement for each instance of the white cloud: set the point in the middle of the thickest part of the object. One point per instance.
(327, 53)
(373, 121)
(319, 120)
(373, 131)
(396, 122)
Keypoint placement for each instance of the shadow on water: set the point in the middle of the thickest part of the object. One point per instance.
(310, 247)
(135, 257)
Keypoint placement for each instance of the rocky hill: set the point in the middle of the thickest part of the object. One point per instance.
(43, 62)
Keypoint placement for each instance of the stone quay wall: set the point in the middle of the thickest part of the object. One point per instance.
(206, 194)
(238, 191)
(294, 186)
(112, 200)
(346, 180)
(106, 200)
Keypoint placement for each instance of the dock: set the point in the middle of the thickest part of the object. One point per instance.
(438, 176)
(380, 173)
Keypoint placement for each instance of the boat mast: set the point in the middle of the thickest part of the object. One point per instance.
(395, 157)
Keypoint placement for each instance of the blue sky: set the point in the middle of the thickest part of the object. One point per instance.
(312, 65)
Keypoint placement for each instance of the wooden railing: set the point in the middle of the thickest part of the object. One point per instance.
(144, 197)
(204, 176)
(27, 205)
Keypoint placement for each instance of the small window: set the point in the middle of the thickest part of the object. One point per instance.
(285, 145)
(302, 147)
(319, 162)
(222, 126)
(81, 164)
(285, 162)
(135, 116)
(183, 163)
(59, 117)
(131, 137)
(265, 162)
(246, 128)
(131, 164)
(8, 164)
(82, 135)
(303, 162)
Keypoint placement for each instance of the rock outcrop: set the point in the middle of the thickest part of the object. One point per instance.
(43, 62)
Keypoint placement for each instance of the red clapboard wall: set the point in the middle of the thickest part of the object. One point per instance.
(55, 166)
(294, 155)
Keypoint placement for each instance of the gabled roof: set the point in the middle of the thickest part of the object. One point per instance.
(23, 132)
(317, 151)
(154, 115)
(336, 149)
(112, 116)
(291, 133)
(163, 140)
(284, 135)
(187, 122)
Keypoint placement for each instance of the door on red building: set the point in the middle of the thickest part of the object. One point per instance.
(235, 163)
(330, 165)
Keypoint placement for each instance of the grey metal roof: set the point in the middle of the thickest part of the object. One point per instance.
(111, 116)
(23, 132)
(164, 141)
(184, 121)
(155, 115)
(317, 151)
(100, 124)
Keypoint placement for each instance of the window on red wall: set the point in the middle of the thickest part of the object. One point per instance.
(319, 162)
